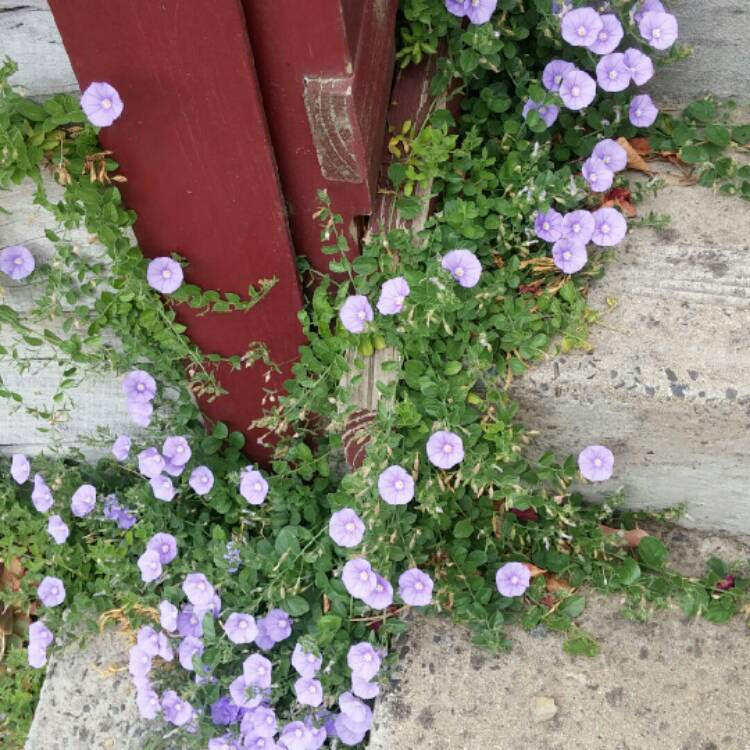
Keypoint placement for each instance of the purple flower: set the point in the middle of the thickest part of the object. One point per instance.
(168, 616)
(176, 710)
(256, 670)
(352, 708)
(309, 692)
(20, 468)
(101, 103)
(121, 448)
(553, 73)
(126, 519)
(346, 528)
(189, 648)
(244, 694)
(610, 227)
(277, 625)
(201, 480)
(198, 590)
(295, 736)
(611, 72)
(393, 294)
(639, 65)
(381, 597)
(597, 174)
(364, 688)
(548, 225)
(609, 36)
(139, 662)
(173, 469)
(57, 529)
(477, 11)
(36, 655)
(41, 496)
(569, 256)
(253, 486)
(305, 662)
(356, 313)
(40, 634)
(512, 579)
(548, 112)
(51, 591)
(646, 6)
(263, 640)
(16, 262)
(580, 27)
(415, 587)
(150, 463)
(177, 450)
(148, 703)
(260, 721)
(464, 266)
(227, 743)
(162, 488)
(165, 545)
(396, 485)
(254, 742)
(241, 628)
(643, 112)
(612, 154)
(164, 274)
(188, 622)
(224, 712)
(358, 578)
(150, 566)
(138, 386)
(165, 649)
(140, 412)
(354, 721)
(147, 639)
(596, 463)
(658, 29)
(233, 556)
(578, 226)
(83, 500)
(577, 89)
(445, 449)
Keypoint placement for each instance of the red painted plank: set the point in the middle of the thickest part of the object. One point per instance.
(325, 69)
(194, 144)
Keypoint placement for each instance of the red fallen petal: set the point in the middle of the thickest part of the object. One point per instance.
(726, 583)
(525, 515)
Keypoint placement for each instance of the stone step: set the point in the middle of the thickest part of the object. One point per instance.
(665, 684)
(667, 385)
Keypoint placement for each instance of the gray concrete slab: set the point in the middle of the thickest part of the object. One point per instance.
(667, 386)
(665, 684)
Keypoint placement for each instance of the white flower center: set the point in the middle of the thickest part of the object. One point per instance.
(106, 104)
(581, 30)
(575, 91)
(459, 272)
(54, 590)
(567, 255)
(180, 449)
(379, 587)
(153, 566)
(606, 160)
(361, 315)
(18, 261)
(368, 657)
(597, 462)
(140, 387)
(638, 112)
(261, 671)
(193, 620)
(166, 273)
(311, 690)
(656, 33)
(364, 576)
(418, 586)
(243, 624)
(165, 548)
(257, 487)
(514, 580)
(545, 226)
(603, 36)
(558, 79)
(399, 485)
(604, 229)
(400, 299)
(201, 587)
(612, 75)
(204, 479)
(447, 448)
(576, 228)
(350, 526)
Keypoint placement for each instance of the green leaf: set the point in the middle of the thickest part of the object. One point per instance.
(463, 529)
(286, 541)
(220, 431)
(581, 644)
(652, 552)
(717, 134)
(409, 206)
(296, 606)
(452, 368)
(702, 110)
(573, 606)
(629, 572)
(693, 154)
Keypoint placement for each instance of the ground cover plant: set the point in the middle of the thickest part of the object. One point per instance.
(262, 600)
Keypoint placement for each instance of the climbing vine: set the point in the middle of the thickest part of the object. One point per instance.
(281, 586)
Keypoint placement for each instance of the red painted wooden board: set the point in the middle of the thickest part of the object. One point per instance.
(325, 69)
(194, 145)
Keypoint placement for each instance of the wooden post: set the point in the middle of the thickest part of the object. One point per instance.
(194, 144)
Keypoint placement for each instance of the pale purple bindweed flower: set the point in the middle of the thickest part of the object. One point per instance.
(464, 266)
(548, 225)
(164, 275)
(445, 449)
(612, 154)
(346, 528)
(176, 710)
(305, 662)
(548, 112)
(176, 450)
(577, 90)
(150, 566)
(165, 545)
(163, 488)
(596, 173)
(396, 485)
(241, 628)
(358, 578)
(190, 647)
(415, 587)
(150, 463)
(224, 712)
(101, 104)
(173, 469)
(113, 511)
(609, 36)
(243, 694)
(553, 73)
(121, 447)
(188, 622)
(295, 736)
(198, 590)
(40, 638)
(148, 703)
(477, 11)
(83, 500)
(139, 662)
(168, 616)
(253, 486)
(569, 256)
(578, 226)
(643, 112)
(20, 468)
(17, 262)
(658, 29)
(201, 480)
(41, 496)
(58, 529)
(512, 579)
(580, 27)
(363, 660)
(639, 65)
(610, 227)
(364, 688)
(309, 691)
(140, 412)
(277, 625)
(138, 386)
(263, 640)
(256, 670)
(381, 597)
(393, 294)
(259, 722)
(596, 463)
(356, 313)
(640, 9)
(51, 591)
(612, 74)
(148, 639)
